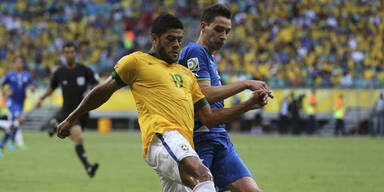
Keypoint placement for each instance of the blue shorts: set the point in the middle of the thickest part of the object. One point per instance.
(218, 154)
(14, 111)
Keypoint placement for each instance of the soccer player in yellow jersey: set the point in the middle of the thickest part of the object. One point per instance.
(167, 97)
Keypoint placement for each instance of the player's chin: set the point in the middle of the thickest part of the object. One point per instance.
(219, 45)
(173, 58)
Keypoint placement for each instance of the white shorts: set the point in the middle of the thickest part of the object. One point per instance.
(163, 155)
(5, 124)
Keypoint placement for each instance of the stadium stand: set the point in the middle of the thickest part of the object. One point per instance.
(287, 43)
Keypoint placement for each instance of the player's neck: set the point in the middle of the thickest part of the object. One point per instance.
(71, 65)
(201, 42)
(154, 53)
(18, 71)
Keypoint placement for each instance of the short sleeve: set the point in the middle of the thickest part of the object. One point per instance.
(55, 80)
(195, 59)
(31, 81)
(90, 76)
(5, 80)
(124, 71)
(198, 97)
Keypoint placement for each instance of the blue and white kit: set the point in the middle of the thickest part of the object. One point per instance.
(213, 145)
(18, 83)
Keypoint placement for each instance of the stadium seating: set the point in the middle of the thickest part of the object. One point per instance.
(299, 43)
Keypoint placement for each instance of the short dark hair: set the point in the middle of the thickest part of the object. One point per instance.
(164, 22)
(70, 44)
(215, 10)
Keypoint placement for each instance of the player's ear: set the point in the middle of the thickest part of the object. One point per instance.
(202, 26)
(155, 38)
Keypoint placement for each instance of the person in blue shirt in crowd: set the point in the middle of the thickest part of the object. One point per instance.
(213, 145)
(18, 81)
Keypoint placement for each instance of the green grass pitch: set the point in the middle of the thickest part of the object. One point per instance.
(297, 164)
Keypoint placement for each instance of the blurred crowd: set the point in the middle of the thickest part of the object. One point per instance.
(318, 43)
(288, 43)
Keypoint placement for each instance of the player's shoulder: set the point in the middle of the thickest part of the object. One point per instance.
(5, 77)
(137, 54)
(194, 48)
(26, 73)
(61, 68)
(81, 66)
(132, 56)
(9, 74)
(184, 69)
(193, 45)
(192, 55)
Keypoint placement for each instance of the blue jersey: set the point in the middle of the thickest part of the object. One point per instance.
(18, 83)
(213, 145)
(203, 65)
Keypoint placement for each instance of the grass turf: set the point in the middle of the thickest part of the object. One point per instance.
(300, 164)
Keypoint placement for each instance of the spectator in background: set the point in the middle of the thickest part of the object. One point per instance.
(257, 124)
(297, 106)
(311, 112)
(378, 116)
(235, 124)
(294, 111)
(339, 115)
(284, 116)
(297, 43)
(346, 80)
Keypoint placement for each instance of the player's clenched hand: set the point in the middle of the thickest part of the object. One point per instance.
(38, 104)
(8, 93)
(259, 99)
(64, 129)
(254, 85)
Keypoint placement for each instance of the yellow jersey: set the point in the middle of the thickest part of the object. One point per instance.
(166, 95)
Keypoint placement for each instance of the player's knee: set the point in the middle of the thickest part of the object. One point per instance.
(204, 174)
(254, 189)
(245, 184)
(20, 119)
(201, 173)
(77, 139)
(193, 172)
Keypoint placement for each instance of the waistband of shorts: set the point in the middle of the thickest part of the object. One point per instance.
(206, 129)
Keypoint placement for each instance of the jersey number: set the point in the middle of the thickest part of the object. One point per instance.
(177, 79)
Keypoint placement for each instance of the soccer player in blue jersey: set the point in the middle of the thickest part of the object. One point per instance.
(18, 81)
(213, 145)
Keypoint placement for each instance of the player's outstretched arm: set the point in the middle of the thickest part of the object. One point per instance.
(47, 93)
(94, 99)
(219, 93)
(212, 117)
